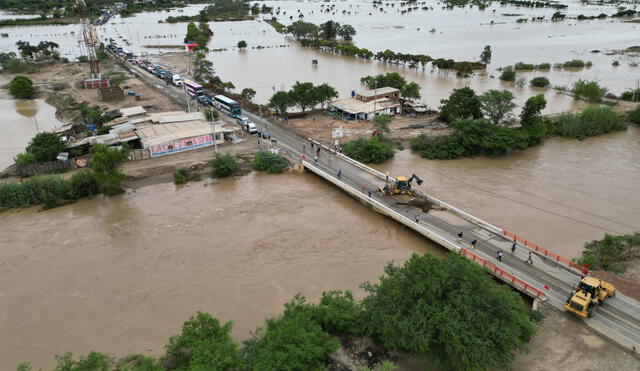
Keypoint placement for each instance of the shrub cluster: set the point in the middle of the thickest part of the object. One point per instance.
(374, 150)
(269, 162)
(634, 116)
(508, 74)
(607, 254)
(540, 82)
(589, 90)
(223, 165)
(631, 95)
(183, 175)
(589, 122)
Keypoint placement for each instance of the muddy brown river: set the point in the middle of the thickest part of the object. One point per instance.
(121, 274)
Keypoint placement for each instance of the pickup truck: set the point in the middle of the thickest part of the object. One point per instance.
(247, 125)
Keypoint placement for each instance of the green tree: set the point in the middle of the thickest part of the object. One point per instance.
(203, 71)
(381, 122)
(532, 109)
(203, 344)
(303, 95)
(372, 150)
(83, 184)
(94, 361)
(303, 30)
(485, 56)
(192, 32)
(323, 93)
(346, 32)
(45, 146)
(339, 313)
(329, 30)
(540, 82)
(210, 114)
(293, 341)
(104, 163)
(248, 93)
(392, 79)
(281, 101)
(242, 44)
(590, 90)
(634, 116)
(497, 105)
(21, 87)
(449, 309)
(411, 91)
(462, 103)
(608, 253)
(508, 74)
(223, 165)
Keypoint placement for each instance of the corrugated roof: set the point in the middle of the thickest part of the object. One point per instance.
(163, 133)
(133, 111)
(374, 92)
(355, 106)
(175, 116)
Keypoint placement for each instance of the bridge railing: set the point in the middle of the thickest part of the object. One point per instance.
(553, 256)
(504, 275)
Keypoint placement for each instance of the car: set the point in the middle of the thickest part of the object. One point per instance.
(243, 121)
(252, 128)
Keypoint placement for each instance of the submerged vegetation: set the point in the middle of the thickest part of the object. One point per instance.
(269, 162)
(305, 335)
(589, 90)
(609, 253)
(589, 122)
(374, 150)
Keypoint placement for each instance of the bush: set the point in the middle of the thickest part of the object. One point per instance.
(543, 66)
(223, 166)
(520, 66)
(575, 63)
(589, 90)
(93, 361)
(374, 150)
(293, 341)
(607, 254)
(25, 159)
(269, 162)
(540, 82)
(45, 146)
(590, 122)
(420, 308)
(104, 161)
(532, 109)
(634, 116)
(203, 344)
(183, 175)
(83, 184)
(47, 189)
(21, 87)
(631, 95)
(508, 74)
(339, 313)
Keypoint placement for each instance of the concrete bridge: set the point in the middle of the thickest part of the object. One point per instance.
(550, 279)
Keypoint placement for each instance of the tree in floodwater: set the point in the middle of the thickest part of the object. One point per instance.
(497, 105)
(242, 44)
(463, 103)
(532, 109)
(410, 91)
(281, 101)
(203, 71)
(485, 56)
(104, 162)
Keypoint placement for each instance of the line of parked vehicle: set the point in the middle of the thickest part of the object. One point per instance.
(192, 89)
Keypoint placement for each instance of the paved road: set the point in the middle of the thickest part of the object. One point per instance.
(618, 319)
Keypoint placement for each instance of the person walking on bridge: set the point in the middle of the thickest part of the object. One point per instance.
(499, 256)
(460, 236)
(529, 260)
(513, 248)
(473, 244)
(416, 218)
(339, 173)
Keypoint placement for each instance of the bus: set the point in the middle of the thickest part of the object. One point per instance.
(227, 105)
(193, 88)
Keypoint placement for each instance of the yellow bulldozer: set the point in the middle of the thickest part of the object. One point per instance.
(401, 185)
(591, 293)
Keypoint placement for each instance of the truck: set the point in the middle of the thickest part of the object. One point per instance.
(158, 70)
(590, 293)
(171, 77)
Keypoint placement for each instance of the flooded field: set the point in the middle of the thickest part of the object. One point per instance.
(459, 34)
(21, 120)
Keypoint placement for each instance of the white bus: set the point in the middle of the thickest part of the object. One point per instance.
(227, 105)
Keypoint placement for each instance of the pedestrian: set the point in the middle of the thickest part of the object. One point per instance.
(513, 248)
(387, 174)
(336, 147)
(369, 193)
(311, 144)
(304, 148)
(339, 173)
(315, 159)
(499, 256)
(529, 259)
(318, 151)
(473, 244)
(416, 218)
(460, 236)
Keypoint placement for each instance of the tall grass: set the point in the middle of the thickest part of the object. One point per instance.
(589, 90)
(590, 122)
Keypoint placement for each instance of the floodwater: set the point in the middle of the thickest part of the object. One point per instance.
(559, 195)
(459, 34)
(121, 274)
(21, 120)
